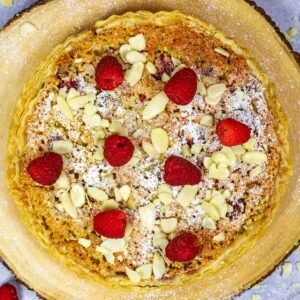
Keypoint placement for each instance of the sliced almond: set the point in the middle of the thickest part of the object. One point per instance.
(230, 155)
(148, 214)
(222, 51)
(201, 89)
(139, 132)
(98, 136)
(187, 195)
(84, 242)
(64, 107)
(117, 193)
(137, 42)
(219, 203)
(238, 150)
(216, 90)
(226, 194)
(159, 266)
(27, 27)
(160, 242)
(77, 194)
(68, 205)
(89, 109)
(98, 155)
(131, 204)
(208, 195)
(164, 188)
(186, 150)
(124, 49)
(109, 256)
(218, 115)
(160, 140)
(196, 149)
(145, 271)
(134, 56)
(207, 121)
(72, 93)
(155, 106)
(115, 127)
(150, 150)
(208, 223)
(250, 145)
(255, 172)
(178, 68)
(97, 194)
(165, 198)
(286, 269)
(80, 101)
(93, 121)
(165, 77)
(134, 74)
(219, 237)
(133, 276)
(176, 62)
(63, 182)
(207, 162)
(109, 205)
(218, 172)
(125, 192)
(62, 147)
(168, 225)
(254, 157)
(151, 68)
(211, 211)
(104, 123)
(219, 158)
(114, 245)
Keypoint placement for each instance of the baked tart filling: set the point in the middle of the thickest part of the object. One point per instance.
(148, 151)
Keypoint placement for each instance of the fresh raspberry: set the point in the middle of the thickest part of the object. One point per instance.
(8, 292)
(109, 73)
(181, 88)
(110, 223)
(118, 150)
(46, 169)
(232, 132)
(179, 171)
(183, 248)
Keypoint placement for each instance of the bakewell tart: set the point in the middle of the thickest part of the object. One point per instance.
(154, 146)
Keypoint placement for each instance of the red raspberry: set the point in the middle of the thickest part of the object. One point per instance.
(232, 132)
(118, 150)
(181, 88)
(179, 171)
(109, 73)
(183, 248)
(8, 292)
(110, 223)
(46, 169)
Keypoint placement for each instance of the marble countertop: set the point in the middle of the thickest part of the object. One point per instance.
(279, 285)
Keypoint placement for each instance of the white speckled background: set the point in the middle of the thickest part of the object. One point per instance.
(286, 14)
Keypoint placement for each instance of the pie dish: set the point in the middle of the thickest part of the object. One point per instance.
(265, 154)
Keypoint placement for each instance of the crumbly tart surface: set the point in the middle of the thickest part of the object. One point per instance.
(231, 197)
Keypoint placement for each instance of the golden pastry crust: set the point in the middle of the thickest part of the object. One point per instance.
(42, 123)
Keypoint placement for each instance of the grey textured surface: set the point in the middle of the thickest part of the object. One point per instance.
(286, 14)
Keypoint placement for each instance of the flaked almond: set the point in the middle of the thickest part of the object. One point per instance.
(160, 140)
(160, 242)
(71, 94)
(218, 115)
(155, 106)
(196, 149)
(99, 136)
(64, 107)
(109, 205)
(159, 266)
(93, 121)
(178, 68)
(250, 145)
(104, 123)
(148, 214)
(187, 195)
(255, 172)
(165, 77)
(150, 150)
(165, 198)
(114, 245)
(151, 68)
(134, 56)
(145, 271)
(238, 150)
(226, 194)
(68, 205)
(164, 188)
(62, 147)
(133, 276)
(89, 109)
(207, 120)
(80, 101)
(134, 74)
(219, 158)
(219, 237)
(176, 62)
(109, 256)
(98, 155)
(77, 194)
(130, 204)
(84, 242)
(125, 192)
(215, 93)
(201, 89)
(63, 182)
(27, 28)
(208, 223)
(254, 157)
(186, 150)
(286, 269)
(139, 132)
(117, 193)
(168, 225)
(137, 42)
(115, 127)
(218, 172)
(123, 50)
(97, 194)
(211, 210)
(207, 162)
(230, 155)
(222, 51)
